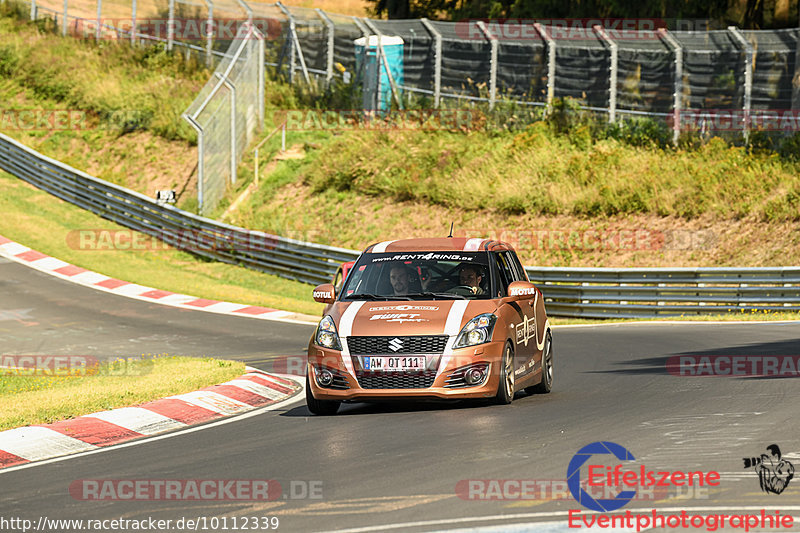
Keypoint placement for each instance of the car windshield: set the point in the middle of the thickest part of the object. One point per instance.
(419, 275)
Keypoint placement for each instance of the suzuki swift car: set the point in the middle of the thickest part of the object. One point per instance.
(447, 318)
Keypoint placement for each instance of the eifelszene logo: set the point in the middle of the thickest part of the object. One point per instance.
(613, 479)
(774, 473)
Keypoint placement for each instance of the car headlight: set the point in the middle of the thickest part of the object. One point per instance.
(476, 331)
(326, 334)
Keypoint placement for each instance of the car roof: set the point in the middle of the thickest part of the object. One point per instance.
(444, 244)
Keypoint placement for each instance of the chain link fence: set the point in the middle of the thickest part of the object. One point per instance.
(713, 82)
(226, 114)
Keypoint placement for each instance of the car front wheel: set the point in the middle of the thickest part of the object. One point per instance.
(320, 407)
(505, 385)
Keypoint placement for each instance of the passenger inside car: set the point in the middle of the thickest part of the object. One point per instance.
(472, 276)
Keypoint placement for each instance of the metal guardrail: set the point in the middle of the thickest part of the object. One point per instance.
(574, 292)
(288, 258)
(647, 292)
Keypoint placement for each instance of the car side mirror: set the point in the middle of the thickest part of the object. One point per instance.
(521, 289)
(325, 293)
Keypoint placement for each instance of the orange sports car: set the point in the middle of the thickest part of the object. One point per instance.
(446, 318)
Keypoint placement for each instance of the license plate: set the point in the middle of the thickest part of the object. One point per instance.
(395, 364)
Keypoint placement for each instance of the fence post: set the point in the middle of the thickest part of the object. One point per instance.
(796, 77)
(493, 63)
(292, 42)
(364, 30)
(262, 52)
(612, 72)
(748, 76)
(33, 9)
(133, 22)
(209, 33)
(678, 87)
(200, 158)
(329, 56)
(171, 24)
(99, 16)
(551, 64)
(437, 68)
(65, 15)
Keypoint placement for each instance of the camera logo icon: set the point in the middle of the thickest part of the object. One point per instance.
(774, 472)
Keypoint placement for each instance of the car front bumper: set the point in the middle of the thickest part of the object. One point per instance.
(441, 381)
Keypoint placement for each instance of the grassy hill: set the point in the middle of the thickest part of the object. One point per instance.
(566, 191)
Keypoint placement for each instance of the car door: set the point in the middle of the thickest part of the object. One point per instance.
(525, 335)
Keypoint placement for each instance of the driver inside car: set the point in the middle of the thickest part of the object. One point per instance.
(471, 276)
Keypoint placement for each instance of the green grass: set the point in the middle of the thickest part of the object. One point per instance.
(41, 399)
(123, 88)
(538, 171)
(26, 211)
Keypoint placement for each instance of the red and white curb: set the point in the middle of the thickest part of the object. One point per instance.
(56, 267)
(89, 432)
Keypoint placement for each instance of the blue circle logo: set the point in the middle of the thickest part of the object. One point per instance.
(574, 476)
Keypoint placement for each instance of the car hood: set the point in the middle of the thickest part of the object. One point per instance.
(419, 317)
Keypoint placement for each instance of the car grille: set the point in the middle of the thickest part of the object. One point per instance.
(395, 380)
(430, 344)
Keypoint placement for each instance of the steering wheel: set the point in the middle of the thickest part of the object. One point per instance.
(463, 290)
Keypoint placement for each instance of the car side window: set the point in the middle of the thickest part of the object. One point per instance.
(505, 274)
(511, 268)
(521, 274)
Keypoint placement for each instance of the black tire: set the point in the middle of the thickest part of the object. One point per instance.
(546, 384)
(505, 385)
(320, 407)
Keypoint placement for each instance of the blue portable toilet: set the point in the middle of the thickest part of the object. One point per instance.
(378, 95)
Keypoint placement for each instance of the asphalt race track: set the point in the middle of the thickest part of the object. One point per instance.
(397, 464)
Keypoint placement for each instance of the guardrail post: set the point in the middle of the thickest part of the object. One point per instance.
(612, 72)
(33, 9)
(678, 87)
(493, 63)
(748, 76)
(65, 15)
(551, 64)
(437, 67)
(171, 25)
(330, 28)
